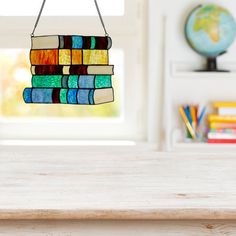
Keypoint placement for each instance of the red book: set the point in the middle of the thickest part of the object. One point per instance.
(72, 70)
(221, 141)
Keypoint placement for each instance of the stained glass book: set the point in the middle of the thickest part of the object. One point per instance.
(70, 69)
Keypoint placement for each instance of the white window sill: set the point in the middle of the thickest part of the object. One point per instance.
(75, 143)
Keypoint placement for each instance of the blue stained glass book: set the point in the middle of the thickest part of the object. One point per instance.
(68, 96)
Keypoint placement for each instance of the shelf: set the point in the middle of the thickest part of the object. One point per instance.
(186, 71)
(204, 147)
(196, 76)
(179, 145)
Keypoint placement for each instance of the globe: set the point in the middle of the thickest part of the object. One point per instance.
(210, 30)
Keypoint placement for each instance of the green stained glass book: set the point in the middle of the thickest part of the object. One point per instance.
(72, 81)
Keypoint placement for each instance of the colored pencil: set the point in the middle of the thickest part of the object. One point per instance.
(187, 123)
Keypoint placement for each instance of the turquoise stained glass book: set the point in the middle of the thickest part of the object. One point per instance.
(72, 81)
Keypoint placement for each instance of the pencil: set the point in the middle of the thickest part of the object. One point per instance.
(194, 116)
(200, 119)
(187, 123)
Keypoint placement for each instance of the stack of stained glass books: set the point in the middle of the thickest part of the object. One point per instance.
(70, 70)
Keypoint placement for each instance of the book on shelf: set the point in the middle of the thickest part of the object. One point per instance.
(225, 108)
(227, 111)
(223, 130)
(71, 42)
(220, 135)
(224, 104)
(222, 119)
(72, 70)
(68, 96)
(72, 81)
(220, 125)
(221, 141)
(69, 57)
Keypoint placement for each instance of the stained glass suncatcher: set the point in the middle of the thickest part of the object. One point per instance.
(70, 69)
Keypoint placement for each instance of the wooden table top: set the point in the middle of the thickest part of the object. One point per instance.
(115, 183)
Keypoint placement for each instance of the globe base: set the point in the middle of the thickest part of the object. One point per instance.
(212, 66)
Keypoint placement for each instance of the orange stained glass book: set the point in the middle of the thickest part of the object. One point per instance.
(69, 57)
(44, 57)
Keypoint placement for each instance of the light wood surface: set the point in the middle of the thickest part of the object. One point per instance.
(117, 228)
(115, 183)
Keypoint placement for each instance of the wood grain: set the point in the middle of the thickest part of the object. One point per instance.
(117, 228)
(115, 183)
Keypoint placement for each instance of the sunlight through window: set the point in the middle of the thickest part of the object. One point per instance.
(15, 76)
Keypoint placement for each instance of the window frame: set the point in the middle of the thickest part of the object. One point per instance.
(130, 37)
(53, 8)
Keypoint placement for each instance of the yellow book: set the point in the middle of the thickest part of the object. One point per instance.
(222, 119)
(64, 57)
(224, 104)
(95, 57)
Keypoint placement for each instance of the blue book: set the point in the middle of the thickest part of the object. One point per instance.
(68, 96)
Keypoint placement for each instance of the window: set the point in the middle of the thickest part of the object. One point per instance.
(15, 76)
(62, 8)
(123, 119)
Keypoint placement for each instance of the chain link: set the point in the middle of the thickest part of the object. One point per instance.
(42, 7)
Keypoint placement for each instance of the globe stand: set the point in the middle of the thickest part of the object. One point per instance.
(212, 66)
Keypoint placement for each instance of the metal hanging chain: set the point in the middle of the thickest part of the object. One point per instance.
(42, 7)
(38, 18)
(101, 19)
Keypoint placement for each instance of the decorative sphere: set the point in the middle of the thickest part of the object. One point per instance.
(210, 30)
